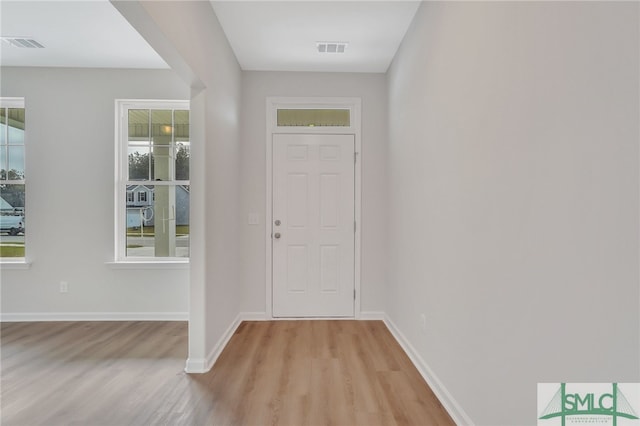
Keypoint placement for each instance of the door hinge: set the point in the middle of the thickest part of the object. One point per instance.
(355, 157)
(354, 226)
(354, 294)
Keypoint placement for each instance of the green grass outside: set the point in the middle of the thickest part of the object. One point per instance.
(12, 251)
(149, 231)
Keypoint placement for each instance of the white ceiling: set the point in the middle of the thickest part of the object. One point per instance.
(265, 35)
(282, 36)
(81, 34)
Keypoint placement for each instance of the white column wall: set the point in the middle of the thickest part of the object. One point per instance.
(202, 56)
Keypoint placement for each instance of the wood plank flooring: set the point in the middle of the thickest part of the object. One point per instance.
(271, 373)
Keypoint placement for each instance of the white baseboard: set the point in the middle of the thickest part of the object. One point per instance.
(253, 316)
(262, 316)
(199, 365)
(94, 316)
(448, 402)
(372, 315)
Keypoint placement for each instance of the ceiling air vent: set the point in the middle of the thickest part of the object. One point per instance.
(22, 42)
(331, 46)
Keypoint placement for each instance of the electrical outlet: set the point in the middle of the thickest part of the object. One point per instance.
(423, 322)
(64, 287)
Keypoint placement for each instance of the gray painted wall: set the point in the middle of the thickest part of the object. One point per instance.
(371, 88)
(513, 201)
(70, 119)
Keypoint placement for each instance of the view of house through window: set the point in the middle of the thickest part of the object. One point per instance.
(155, 188)
(12, 178)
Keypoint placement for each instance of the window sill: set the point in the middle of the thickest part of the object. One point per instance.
(20, 263)
(149, 264)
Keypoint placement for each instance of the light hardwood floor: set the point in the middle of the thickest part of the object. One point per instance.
(270, 373)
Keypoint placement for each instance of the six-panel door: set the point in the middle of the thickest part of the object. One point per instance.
(313, 225)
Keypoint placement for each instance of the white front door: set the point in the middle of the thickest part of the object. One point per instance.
(313, 225)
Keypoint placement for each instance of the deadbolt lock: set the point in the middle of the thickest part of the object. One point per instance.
(276, 235)
(277, 222)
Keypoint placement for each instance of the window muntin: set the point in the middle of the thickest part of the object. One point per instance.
(12, 179)
(154, 147)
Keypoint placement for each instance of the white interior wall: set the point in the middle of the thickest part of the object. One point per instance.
(513, 201)
(70, 118)
(371, 88)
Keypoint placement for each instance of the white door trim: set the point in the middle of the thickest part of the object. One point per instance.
(355, 107)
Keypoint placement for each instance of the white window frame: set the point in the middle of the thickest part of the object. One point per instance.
(121, 183)
(17, 262)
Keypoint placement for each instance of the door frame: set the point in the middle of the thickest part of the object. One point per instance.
(355, 106)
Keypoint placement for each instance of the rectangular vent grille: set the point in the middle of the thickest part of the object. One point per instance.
(22, 42)
(331, 46)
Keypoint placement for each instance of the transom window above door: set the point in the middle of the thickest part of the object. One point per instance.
(313, 117)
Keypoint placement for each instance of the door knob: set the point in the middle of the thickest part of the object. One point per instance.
(276, 235)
